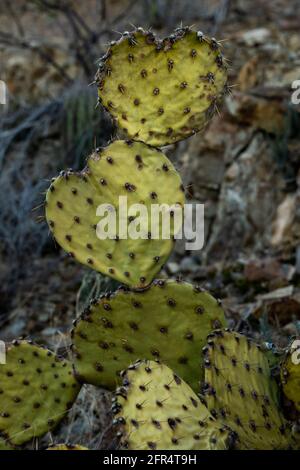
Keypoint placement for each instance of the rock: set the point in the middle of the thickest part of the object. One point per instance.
(45, 316)
(268, 269)
(32, 79)
(258, 112)
(203, 165)
(292, 329)
(290, 76)
(279, 311)
(172, 267)
(284, 219)
(247, 203)
(255, 37)
(298, 260)
(277, 294)
(49, 331)
(188, 264)
(248, 75)
(17, 325)
(233, 172)
(292, 235)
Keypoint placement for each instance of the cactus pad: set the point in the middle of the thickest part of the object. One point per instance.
(158, 410)
(168, 321)
(161, 91)
(240, 391)
(131, 169)
(4, 445)
(67, 447)
(36, 390)
(290, 376)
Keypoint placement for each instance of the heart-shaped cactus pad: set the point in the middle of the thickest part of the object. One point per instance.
(123, 182)
(162, 91)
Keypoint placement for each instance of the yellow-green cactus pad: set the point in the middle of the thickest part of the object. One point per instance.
(37, 388)
(157, 410)
(129, 169)
(67, 447)
(5, 445)
(241, 392)
(169, 321)
(161, 91)
(290, 376)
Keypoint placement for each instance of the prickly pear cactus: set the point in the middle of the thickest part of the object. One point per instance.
(161, 91)
(169, 321)
(132, 169)
(240, 391)
(67, 447)
(290, 375)
(5, 445)
(36, 391)
(157, 410)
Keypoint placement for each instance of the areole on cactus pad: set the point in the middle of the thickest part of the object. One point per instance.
(162, 91)
(37, 388)
(156, 409)
(124, 168)
(241, 392)
(169, 321)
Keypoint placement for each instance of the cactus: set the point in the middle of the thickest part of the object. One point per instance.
(161, 91)
(36, 390)
(157, 410)
(131, 169)
(169, 321)
(67, 447)
(5, 445)
(241, 392)
(290, 376)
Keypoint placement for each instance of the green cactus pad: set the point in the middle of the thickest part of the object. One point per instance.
(161, 91)
(124, 168)
(158, 410)
(67, 447)
(4, 445)
(290, 376)
(169, 321)
(240, 391)
(36, 390)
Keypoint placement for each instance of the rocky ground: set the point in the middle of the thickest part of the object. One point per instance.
(245, 167)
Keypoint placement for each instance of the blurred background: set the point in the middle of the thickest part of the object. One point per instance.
(245, 167)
